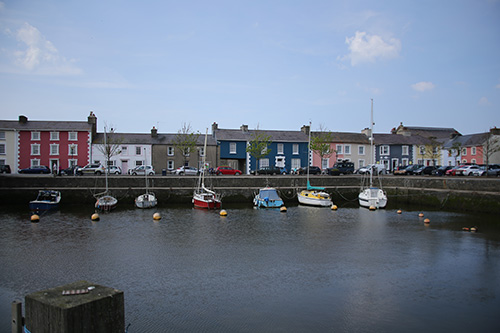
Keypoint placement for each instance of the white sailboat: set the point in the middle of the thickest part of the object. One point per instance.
(313, 196)
(148, 199)
(202, 196)
(105, 201)
(372, 197)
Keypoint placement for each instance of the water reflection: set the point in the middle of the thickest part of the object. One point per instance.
(305, 270)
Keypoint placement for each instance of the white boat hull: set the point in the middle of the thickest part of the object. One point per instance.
(147, 200)
(373, 197)
(106, 203)
(314, 198)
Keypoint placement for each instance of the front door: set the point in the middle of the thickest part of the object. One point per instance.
(54, 166)
(124, 166)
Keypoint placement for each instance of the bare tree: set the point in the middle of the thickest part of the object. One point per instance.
(186, 141)
(455, 150)
(491, 145)
(111, 144)
(321, 143)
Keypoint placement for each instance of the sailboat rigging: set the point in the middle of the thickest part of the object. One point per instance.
(372, 197)
(203, 197)
(105, 201)
(313, 196)
(148, 199)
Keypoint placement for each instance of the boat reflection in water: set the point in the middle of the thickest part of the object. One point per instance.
(261, 270)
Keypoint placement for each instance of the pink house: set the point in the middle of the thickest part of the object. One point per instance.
(56, 144)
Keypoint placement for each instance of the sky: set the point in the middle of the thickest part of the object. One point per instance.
(268, 64)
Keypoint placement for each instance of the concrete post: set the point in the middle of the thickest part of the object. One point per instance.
(17, 317)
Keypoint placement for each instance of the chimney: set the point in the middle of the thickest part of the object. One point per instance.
(305, 129)
(23, 119)
(244, 128)
(154, 132)
(92, 120)
(366, 132)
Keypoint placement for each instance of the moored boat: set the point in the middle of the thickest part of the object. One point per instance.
(45, 200)
(267, 197)
(146, 200)
(105, 201)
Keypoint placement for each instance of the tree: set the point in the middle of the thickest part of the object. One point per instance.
(186, 141)
(321, 143)
(111, 145)
(455, 150)
(258, 146)
(431, 150)
(491, 145)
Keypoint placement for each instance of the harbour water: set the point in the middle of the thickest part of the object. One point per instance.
(306, 270)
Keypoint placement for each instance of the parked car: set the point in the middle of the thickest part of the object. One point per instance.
(341, 168)
(493, 170)
(375, 168)
(453, 170)
(313, 170)
(113, 169)
(481, 171)
(270, 170)
(227, 170)
(467, 170)
(186, 170)
(406, 169)
(4, 168)
(36, 169)
(93, 168)
(425, 170)
(441, 170)
(71, 171)
(140, 169)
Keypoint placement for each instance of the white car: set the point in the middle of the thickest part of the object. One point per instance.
(113, 169)
(467, 170)
(186, 170)
(139, 170)
(379, 169)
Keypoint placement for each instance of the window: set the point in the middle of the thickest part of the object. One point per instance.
(35, 149)
(138, 150)
(170, 151)
(232, 148)
(296, 150)
(72, 162)
(35, 136)
(384, 150)
(295, 162)
(473, 161)
(54, 136)
(2, 148)
(464, 151)
(473, 151)
(339, 149)
(186, 151)
(361, 163)
(347, 149)
(406, 150)
(422, 151)
(73, 136)
(264, 162)
(138, 163)
(54, 149)
(170, 164)
(72, 149)
(361, 150)
(124, 150)
(35, 162)
(2, 135)
(324, 163)
(404, 161)
(264, 151)
(280, 148)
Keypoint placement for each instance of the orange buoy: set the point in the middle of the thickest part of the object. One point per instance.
(334, 207)
(421, 215)
(156, 216)
(95, 217)
(399, 211)
(35, 218)
(283, 209)
(427, 221)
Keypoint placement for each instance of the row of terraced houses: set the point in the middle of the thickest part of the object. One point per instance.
(60, 144)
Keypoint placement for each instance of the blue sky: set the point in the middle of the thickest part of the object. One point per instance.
(268, 64)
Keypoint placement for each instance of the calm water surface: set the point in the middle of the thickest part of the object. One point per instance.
(307, 270)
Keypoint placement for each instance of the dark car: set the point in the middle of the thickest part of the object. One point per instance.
(493, 170)
(425, 170)
(340, 168)
(409, 170)
(441, 171)
(313, 170)
(36, 169)
(4, 168)
(71, 171)
(270, 170)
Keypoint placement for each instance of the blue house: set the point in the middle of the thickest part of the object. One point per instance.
(395, 150)
(288, 149)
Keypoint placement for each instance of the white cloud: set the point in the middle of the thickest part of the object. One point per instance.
(497, 86)
(423, 86)
(40, 56)
(369, 48)
(484, 101)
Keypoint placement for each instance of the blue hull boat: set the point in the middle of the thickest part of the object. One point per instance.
(268, 198)
(46, 200)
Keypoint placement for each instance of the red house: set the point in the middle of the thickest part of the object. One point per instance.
(56, 144)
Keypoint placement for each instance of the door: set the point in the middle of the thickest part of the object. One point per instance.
(124, 166)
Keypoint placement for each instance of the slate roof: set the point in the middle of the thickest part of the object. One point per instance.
(398, 139)
(148, 139)
(36, 125)
(469, 140)
(346, 137)
(276, 136)
(440, 133)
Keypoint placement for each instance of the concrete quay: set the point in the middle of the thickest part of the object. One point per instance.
(477, 194)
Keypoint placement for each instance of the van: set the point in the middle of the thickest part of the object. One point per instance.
(4, 168)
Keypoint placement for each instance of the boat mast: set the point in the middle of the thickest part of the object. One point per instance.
(308, 154)
(371, 145)
(202, 178)
(106, 151)
(145, 169)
